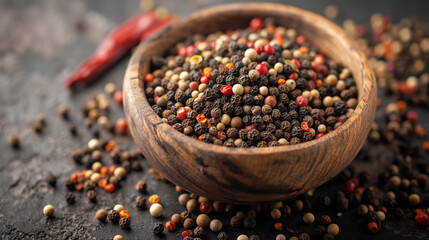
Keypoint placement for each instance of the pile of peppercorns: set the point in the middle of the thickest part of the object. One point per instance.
(396, 196)
(399, 55)
(260, 86)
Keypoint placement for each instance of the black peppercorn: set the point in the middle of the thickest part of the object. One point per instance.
(91, 195)
(158, 228)
(141, 203)
(222, 236)
(207, 138)
(70, 198)
(235, 221)
(113, 215)
(304, 236)
(249, 223)
(200, 128)
(51, 179)
(254, 237)
(199, 232)
(340, 107)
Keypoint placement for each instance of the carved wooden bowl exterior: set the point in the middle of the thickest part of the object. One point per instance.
(250, 175)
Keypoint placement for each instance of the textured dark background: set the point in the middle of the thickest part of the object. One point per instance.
(41, 42)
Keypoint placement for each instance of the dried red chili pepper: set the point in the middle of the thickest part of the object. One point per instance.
(119, 42)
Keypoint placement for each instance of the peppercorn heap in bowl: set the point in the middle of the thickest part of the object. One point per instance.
(260, 86)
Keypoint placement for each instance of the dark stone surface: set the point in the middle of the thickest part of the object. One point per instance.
(41, 43)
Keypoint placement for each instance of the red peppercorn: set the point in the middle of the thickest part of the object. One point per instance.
(226, 90)
(268, 49)
(315, 66)
(320, 56)
(170, 225)
(301, 101)
(262, 69)
(186, 233)
(256, 24)
(193, 85)
(204, 79)
(250, 44)
(422, 219)
(278, 226)
(271, 101)
(124, 213)
(250, 127)
(310, 85)
(373, 227)
(297, 63)
(412, 116)
(259, 50)
(206, 207)
(197, 43)
(118, 97)
(182, 113)
(324, 70)
(293, 76)
(110, 188)
(349, 186)
(305, 127)
(301, 39)
(155, 99)
(407, 89)
(182, 52)
(319, 135)
(148, 77)
(190, 50)
(122, 126)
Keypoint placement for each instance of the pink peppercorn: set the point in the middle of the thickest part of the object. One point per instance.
(204, 79)
(301, 101)
(182, 113)
(206, 207)
(293, 76)
(262, 69)
(305, 127)
(226, 90)
(259, 50)
(190, 50)
(319, 135)
(373, 227)
(118, 97)
(193, 85)
(250, 127)
(412, 116)
(422, 219)
(297, 63)
(268, 49)
(301, 39)
(315, 66)
(122, 126)
(270, 101)
(256, 24)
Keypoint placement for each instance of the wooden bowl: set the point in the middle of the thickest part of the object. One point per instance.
(250, 175)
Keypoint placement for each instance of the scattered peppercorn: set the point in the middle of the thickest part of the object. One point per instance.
(125, 222)
(113, 215)
(101, 215)
(48, 210)
(156, 210)
(13, 141)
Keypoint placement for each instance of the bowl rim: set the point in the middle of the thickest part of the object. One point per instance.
(366, 74)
